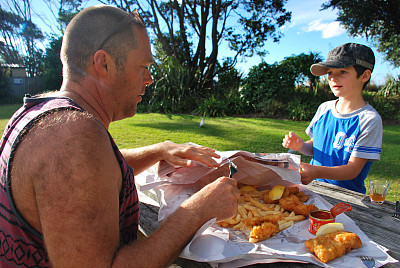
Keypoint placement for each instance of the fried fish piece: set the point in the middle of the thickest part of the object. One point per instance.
(263, 231)
(293, 190)
(292, 203)
(267, 218)
(267, 200)
(333, 245)
(302, 197)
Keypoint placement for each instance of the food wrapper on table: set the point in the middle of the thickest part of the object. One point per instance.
(224, 247)
(173, 185)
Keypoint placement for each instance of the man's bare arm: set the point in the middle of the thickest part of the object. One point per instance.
(218, 199)
(75, 180)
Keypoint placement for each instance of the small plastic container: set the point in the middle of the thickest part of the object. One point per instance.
(318, 218)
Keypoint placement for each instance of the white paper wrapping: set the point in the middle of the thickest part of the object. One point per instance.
(222, 247)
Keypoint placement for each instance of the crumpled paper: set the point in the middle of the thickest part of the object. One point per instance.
(223, 247)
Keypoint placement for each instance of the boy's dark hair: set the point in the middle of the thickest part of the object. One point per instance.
(360, 70)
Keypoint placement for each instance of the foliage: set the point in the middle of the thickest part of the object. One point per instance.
(268, 82)
(66, 11)
(227, 81)
(304, 103)
(300, 64)
(52, 65)
(387, 107)
(16, 26)
(168, 93)
(9, 26)
(378, 20)
(212, 107)
(3, 82)
(226, 97)
(391, 88)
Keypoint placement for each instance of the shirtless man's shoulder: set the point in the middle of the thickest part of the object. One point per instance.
(64, 147)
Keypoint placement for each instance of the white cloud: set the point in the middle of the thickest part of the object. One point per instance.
(328, 30)
(333, 29)
(306, 10)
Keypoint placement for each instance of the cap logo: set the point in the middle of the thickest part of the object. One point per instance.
(364, 64)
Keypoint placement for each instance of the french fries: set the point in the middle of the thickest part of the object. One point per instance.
(261, 219)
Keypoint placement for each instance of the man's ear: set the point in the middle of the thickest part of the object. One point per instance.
(101, 62)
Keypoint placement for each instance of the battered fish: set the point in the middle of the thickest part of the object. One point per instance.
(333, 245)
(263, 231)
(259, 220)
(293, 203)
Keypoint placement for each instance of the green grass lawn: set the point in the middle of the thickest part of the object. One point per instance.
(232, 133)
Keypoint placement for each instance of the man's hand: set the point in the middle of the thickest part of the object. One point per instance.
(292, 141)
(183, 155)
(218, 199)
(175, 154)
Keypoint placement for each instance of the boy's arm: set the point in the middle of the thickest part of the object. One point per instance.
(294, 142)
(340, 173)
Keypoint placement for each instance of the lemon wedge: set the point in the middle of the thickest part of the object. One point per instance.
(329, 228)
(248, 188)
(276, 192)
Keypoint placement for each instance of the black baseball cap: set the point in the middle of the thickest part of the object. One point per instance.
(345, 56)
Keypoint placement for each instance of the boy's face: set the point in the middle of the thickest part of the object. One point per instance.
(344, 82)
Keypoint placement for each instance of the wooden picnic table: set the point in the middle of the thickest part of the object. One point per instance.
(375, 220)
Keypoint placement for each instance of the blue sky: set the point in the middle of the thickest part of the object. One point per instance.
(311, 30)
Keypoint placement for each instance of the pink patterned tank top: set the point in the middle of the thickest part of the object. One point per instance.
(20, 244)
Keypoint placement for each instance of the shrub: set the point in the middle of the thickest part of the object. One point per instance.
(211, 107)
(391, 87)
(267, 82)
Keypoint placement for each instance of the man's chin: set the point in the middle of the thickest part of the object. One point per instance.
(130, 111)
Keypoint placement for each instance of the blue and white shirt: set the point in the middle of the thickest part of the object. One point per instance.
(337, 137)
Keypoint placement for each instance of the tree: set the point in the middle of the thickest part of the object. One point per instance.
(267, 86)
(9, 26)
(17, 25)
(377, 20)
(66, 11)
(300, 65)
(52, 65)
(194, 32)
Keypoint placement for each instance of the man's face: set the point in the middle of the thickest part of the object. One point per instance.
(131, 81)
(344, 82)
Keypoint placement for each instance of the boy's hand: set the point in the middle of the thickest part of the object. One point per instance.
(308, 173)
(292, 141)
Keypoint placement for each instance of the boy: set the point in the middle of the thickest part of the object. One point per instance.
(346, 133)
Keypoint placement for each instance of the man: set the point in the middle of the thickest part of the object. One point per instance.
(68, 197)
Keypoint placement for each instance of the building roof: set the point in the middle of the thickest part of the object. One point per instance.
(12, 65)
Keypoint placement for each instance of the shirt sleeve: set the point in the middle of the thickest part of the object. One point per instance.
(322, 109)
(369, 142)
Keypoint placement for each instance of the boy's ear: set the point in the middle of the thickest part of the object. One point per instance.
(366, 75)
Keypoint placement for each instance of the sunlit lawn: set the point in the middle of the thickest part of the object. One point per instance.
(231, 133)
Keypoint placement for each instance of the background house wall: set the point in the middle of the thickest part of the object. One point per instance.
(18, 82)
